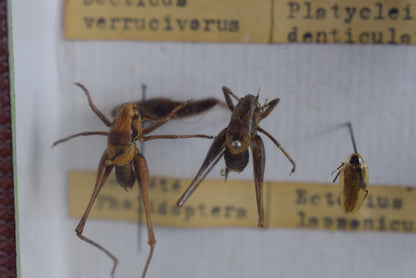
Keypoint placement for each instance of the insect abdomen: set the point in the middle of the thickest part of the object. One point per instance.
(125, 176)
(236, 162)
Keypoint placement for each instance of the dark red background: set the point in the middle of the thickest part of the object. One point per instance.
(7, 224)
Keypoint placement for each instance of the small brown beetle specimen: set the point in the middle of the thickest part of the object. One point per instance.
(158, 108)
(353, 179)
(123, 155)
(233, 142)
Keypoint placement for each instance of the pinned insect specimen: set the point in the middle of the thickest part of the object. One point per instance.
(158, 108)
(123, 155)
(233, 143)
(353, 179)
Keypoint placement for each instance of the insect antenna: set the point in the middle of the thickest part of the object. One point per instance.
(258, 93)
(352, 137)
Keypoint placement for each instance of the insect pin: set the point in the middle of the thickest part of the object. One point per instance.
(234, 141)
(353, 179)
(124, 156)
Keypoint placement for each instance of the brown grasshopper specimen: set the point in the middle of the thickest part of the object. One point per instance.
(233, 143)
(158, 108)
(123, 155)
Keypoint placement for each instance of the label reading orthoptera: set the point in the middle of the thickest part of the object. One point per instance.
(263, 21)
(215, 204)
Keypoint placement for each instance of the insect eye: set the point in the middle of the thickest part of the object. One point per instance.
(236, 144)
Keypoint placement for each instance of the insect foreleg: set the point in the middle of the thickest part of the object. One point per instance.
(100, 115)
(337, 175)
(80, 134)
(269, 108)
(227, 92)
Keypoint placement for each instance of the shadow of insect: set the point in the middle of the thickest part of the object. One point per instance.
(123, 155)
(353, 179)
(233, 143)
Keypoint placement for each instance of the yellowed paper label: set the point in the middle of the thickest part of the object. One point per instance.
(263, 21)
(233, 203)
(352, 21)
(168, 20)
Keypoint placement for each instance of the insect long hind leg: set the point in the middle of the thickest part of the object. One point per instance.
(142, 149)
(102, 174)
(108, 253)
(215, 152)
(100, 115)
(259, 158)
(198, 179)
(142, 175)
(280, 147)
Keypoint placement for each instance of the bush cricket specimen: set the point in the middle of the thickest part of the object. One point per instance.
(233, 143)
(353, 179)
(123, 155)
(158, 108)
